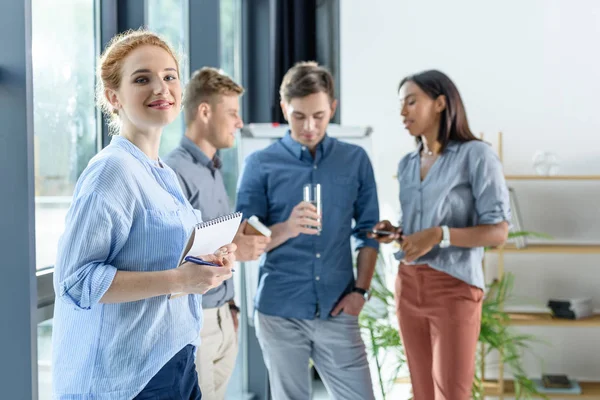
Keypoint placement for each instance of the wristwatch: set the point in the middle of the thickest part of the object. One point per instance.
(445, 237)
(364, 293)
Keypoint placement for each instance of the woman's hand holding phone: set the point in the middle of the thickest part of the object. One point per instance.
(385, 232)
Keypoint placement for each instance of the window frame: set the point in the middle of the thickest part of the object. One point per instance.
(18, 345)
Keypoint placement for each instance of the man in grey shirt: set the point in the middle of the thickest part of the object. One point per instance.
(211, 110)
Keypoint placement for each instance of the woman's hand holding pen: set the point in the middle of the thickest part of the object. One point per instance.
(198, 279)
(420, 243)
(385, 226)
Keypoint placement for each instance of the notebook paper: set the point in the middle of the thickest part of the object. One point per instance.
(209, 236)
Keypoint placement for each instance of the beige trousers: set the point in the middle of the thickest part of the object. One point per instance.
(217, 352)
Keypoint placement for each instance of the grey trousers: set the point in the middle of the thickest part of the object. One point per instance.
(335, 346)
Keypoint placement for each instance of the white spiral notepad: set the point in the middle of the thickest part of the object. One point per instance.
(207, 237)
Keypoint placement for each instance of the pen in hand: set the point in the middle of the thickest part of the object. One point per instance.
(200, 261)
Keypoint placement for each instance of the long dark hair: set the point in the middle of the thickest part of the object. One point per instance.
(453, 121)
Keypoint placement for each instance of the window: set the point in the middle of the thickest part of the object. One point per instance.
(169, 18)
(65, 131)
(231, 52)
(45, 360)
(231, 55)
(64, 113)
(230, 14)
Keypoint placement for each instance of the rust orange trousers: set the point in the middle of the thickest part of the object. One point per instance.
(440, 318)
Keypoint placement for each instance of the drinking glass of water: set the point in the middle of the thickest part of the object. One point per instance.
(312, 194)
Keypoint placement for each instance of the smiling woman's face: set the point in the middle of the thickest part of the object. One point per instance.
(150, 92)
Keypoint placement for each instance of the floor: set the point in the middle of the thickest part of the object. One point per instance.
(399, 392)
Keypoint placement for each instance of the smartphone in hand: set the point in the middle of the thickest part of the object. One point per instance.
(378, 232)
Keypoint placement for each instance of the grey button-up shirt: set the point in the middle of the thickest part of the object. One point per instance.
(464, 187)
(202, 183)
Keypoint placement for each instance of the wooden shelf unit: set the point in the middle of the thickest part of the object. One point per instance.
(529, 177)
(589, 390)
(546, 319)
(502, 388)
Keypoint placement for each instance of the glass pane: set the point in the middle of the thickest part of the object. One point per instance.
(231, 55)
(45, 360)
(231, 50)
(169, 18)
(64, 113)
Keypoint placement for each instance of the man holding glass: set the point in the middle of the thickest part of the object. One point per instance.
(308, 298)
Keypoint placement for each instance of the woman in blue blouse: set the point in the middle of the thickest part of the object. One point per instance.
(454, 202)
(117, 335)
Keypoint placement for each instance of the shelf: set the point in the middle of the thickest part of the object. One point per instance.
(546, 319)
(589, 390)
(552, 178)
(552, 248)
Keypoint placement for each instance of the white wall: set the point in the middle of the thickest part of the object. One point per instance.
(530, 69)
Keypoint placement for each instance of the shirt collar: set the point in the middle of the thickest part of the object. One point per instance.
(297, 149)
(135, 151)
(199, 155)
(452, 146)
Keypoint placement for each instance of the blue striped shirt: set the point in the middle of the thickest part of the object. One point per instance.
(464, 187)
(128, 214)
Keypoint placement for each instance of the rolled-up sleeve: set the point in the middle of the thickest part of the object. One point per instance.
(252, 191)
(366, 209)
(94, 233)
(489, 187)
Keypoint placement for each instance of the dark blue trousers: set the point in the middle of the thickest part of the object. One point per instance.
(177, 380)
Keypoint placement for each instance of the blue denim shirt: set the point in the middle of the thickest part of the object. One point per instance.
(306, 276)
(464, 187)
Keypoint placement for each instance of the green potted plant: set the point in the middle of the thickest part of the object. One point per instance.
(380, 332)
(496, 335)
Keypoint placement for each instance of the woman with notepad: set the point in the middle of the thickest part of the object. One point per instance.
(118, 334)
